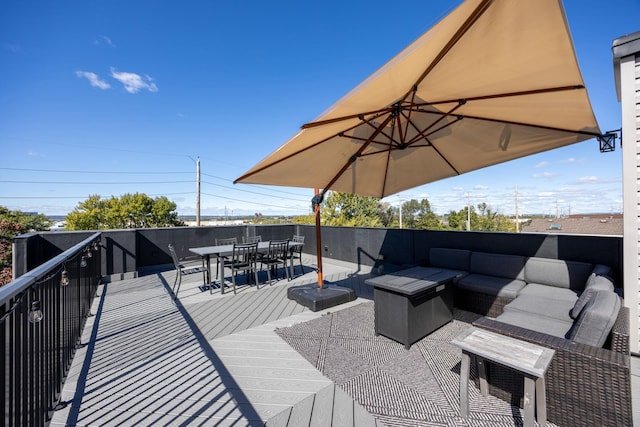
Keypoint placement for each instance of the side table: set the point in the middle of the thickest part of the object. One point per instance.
(530, 359)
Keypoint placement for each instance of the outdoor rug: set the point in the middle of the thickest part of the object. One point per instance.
(416, 387)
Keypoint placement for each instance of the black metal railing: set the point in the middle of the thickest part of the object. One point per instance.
(42, 315)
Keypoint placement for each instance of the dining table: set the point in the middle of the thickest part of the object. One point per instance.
(222, 251)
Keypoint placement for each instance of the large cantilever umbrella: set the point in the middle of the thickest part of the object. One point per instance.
(493, 81)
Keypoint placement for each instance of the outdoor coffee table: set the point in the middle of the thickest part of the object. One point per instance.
(412, 303)
(530, 359)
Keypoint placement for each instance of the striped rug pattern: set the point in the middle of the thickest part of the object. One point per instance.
(415, 387)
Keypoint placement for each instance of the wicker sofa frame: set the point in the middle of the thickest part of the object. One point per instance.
(480, 303)
(586, 385)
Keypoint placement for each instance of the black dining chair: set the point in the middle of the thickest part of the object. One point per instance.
(277, 255)
(224, 260)
(295, 252)
(244, 259)
(182, 269)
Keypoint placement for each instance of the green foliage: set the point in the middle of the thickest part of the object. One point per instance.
(485, 219)
(13, 223)
(128, 211)
(350, 210)
(388, 215)
(418, 214)
(308, 219)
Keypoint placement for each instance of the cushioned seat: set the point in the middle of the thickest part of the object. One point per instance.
(492, 285)
(550, 292)
(538, 323)
(559, 309)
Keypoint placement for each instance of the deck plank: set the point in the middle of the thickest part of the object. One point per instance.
(203, 359)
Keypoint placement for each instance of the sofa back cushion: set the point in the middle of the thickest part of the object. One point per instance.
(454, 259)
(596, 319)
(499, 265)
(594, 284)
(556, 272)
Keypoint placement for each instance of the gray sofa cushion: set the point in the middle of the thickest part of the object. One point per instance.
(499, 265)
(534, 322)
(453, 259)
(594, 284)
(596, 319)
(570, 295)
(559, 273)
(548, 307)
(491, 285)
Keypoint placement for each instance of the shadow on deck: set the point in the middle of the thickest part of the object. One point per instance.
(204, 359)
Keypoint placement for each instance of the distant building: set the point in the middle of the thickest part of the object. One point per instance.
(578, 224)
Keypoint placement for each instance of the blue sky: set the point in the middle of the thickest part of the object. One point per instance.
(114, 97)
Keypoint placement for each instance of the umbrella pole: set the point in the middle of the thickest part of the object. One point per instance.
(316, 208)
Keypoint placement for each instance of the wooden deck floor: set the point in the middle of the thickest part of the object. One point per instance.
(205, 359)
(208, 359)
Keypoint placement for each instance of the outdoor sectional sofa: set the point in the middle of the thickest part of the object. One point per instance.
(569, 306)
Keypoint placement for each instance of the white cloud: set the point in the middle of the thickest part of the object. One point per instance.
(572, 160)
(105, 40)
(588, 179)
(542, 164)
(94, 80)
(32, 153)
(133, 83)
(480, 187)
(545, 175)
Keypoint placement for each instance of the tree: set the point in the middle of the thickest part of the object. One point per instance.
(418, 214)
(13, 223)
(388, 215)
(410, 211)
(490, 220)
(350, 210)
(427, 218)
(128, 211)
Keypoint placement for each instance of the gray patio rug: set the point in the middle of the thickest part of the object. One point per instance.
(416, 387)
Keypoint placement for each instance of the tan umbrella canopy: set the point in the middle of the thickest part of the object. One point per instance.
(493, 81)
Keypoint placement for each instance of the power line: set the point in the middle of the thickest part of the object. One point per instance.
(253, 202)
(254, 185)
(94, 172)
(84, 197)
(96, 182)
(252, 192)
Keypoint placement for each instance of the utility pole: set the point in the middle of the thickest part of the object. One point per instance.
(198, 192)
(468, 214)
(517, 217)
(400, 201)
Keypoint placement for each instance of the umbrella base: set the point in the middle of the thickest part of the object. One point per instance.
(316, 299)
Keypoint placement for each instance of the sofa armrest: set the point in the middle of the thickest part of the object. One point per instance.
(620, 332)
(579, 378)
(619, 335)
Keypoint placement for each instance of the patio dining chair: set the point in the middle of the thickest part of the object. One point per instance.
(277, 255)
(295, 252)
(182, 269)
(224, 260)
(244, 259)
